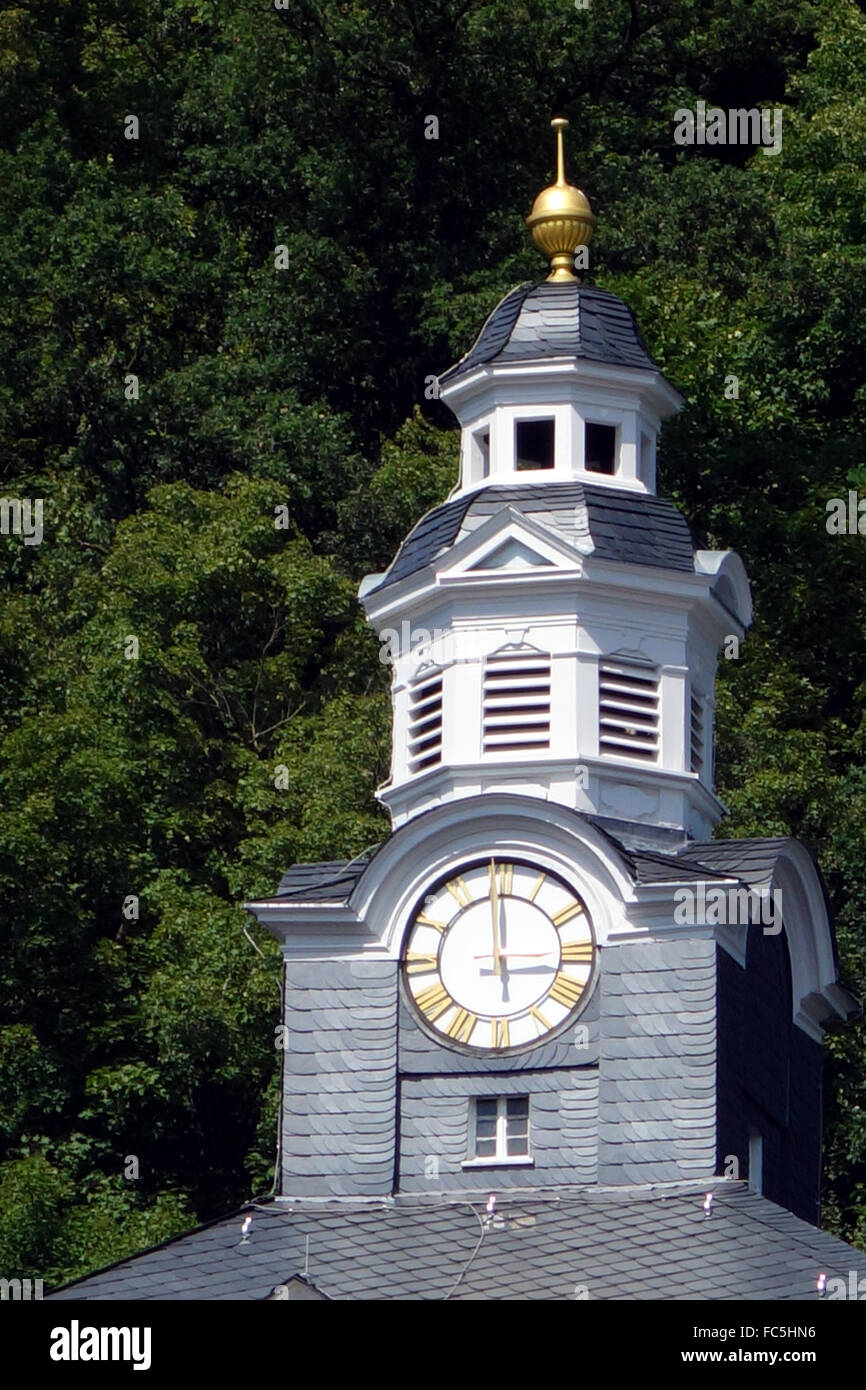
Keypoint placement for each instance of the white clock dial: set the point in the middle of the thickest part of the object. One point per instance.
(499, 956)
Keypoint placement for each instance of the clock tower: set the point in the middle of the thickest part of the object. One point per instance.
(550, 974)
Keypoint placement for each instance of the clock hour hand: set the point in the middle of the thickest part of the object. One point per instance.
(516, 955)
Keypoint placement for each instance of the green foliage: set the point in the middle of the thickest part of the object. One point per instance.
(303, 389)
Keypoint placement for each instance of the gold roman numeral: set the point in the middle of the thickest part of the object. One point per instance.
(565, 914)
(543, 1024)
(506, 878)
(424, 921)
(577, 951)
(500, 1035)
(565, 990)
(433, 1001)
(418, 964)
(457, 888)
(537, 887)
(462, 1025)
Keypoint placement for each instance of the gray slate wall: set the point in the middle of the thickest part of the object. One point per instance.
(657, 1068)
(421, 1054)
(645, 1113)
(436, 1120)
(339, 1078)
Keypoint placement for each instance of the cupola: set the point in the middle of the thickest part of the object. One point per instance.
(559, 385)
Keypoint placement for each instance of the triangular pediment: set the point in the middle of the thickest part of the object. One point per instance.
(509, 543)
(512, 554)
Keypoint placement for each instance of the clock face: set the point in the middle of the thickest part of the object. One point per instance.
(499, 956)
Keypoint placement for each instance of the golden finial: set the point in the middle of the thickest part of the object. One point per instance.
(561, 217)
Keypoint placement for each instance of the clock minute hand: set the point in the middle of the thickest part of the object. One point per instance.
(494, 905)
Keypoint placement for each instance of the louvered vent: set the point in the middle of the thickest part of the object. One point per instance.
(516, 703)
(628, 709)
(697, 738)
(425, 721)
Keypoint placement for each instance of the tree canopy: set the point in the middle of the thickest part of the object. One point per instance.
(226, 440)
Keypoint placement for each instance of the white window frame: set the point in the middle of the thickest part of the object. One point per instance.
(500, 1158)
(481, 454)
(616, 426)
(536, 418)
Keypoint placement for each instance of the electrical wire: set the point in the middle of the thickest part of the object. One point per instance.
(462, 1275)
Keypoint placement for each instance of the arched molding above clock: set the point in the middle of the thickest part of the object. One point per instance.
(799, 894)
(437, 843)
(784, 875)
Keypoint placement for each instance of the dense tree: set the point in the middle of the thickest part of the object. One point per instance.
(225, 446)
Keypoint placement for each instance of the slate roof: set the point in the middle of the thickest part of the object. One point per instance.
(649, 867)
(618, 1243)
(328, 882)
(637, 835)
(556, 320)
(623, 525)
(750, 862)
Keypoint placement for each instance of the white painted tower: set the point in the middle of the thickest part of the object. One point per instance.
(552, 628)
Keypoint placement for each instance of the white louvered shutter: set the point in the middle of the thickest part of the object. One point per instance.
(516, 702)
(628, 709)
(425, 721)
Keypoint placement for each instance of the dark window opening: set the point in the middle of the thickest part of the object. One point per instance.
(643, 465)
(482, 446)
(600, 448)
(533, 443)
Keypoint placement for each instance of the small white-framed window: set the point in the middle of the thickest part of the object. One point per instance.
(500, 1129)
(481, 453)
(600, 448)
(534, 444)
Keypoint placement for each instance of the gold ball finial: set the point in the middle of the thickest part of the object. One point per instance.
(561, 217)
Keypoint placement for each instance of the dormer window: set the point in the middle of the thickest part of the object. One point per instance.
(534, 443)
(600, 448)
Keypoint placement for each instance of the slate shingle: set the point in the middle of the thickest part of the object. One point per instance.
(650, 1243)
(624, 526)
(556, 320)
